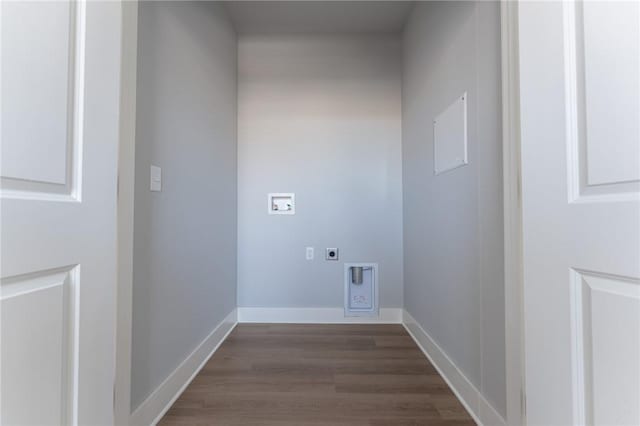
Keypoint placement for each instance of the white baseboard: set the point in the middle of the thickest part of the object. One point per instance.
(156, 405)
(475, 403)
(316, 316)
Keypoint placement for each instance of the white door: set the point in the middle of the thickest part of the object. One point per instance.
(580, 115)
(60, 94)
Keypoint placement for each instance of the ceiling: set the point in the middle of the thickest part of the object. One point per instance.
(281, 17)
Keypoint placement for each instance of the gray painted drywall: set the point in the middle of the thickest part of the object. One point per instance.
(320, 116)
(315, 17)
(184, 278)
(453, 226)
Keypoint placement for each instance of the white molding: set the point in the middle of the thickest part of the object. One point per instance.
(478, 407)
(514, 330)
(126, 181)
(315, 316)
(156, 405)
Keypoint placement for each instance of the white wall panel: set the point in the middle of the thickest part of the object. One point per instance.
(450, 137)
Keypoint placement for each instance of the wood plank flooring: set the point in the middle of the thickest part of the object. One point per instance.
(308, 374)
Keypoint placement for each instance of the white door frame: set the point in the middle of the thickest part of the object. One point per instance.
(514, 333)
(125, 203)
(514, 330)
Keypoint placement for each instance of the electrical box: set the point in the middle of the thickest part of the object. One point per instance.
(282, 203)
(361, 289)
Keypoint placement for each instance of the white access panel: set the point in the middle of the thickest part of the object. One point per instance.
(450, 136)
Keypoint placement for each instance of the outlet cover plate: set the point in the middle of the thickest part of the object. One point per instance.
(332, 254)
(155, 175)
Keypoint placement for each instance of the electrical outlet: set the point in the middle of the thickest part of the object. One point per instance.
(310, 253)
(332, 254)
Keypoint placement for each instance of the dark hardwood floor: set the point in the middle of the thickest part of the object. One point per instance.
(299, 374)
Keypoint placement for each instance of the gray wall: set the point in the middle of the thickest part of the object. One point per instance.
(453, 235)
(319, 115)
(184, 280)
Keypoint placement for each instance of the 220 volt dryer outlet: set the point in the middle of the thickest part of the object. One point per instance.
(332, 254)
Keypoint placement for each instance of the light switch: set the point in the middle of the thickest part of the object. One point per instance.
(310, 253)
(156, 179)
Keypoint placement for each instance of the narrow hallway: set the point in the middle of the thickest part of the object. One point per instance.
(320, 212)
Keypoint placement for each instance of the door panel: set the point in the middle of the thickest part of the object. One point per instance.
(38, 330)
(602, 88)
(42, 54)
(60, 106)
(609, 68)
(579, 89)
(606, 334)
(36, 56)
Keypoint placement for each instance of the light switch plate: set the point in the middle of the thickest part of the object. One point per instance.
(155, 173)
(310, 254)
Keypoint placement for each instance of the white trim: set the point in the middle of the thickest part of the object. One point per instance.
(315, 316)
(158, 403)
(514, 330)
(478, 407)
(125, 203)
